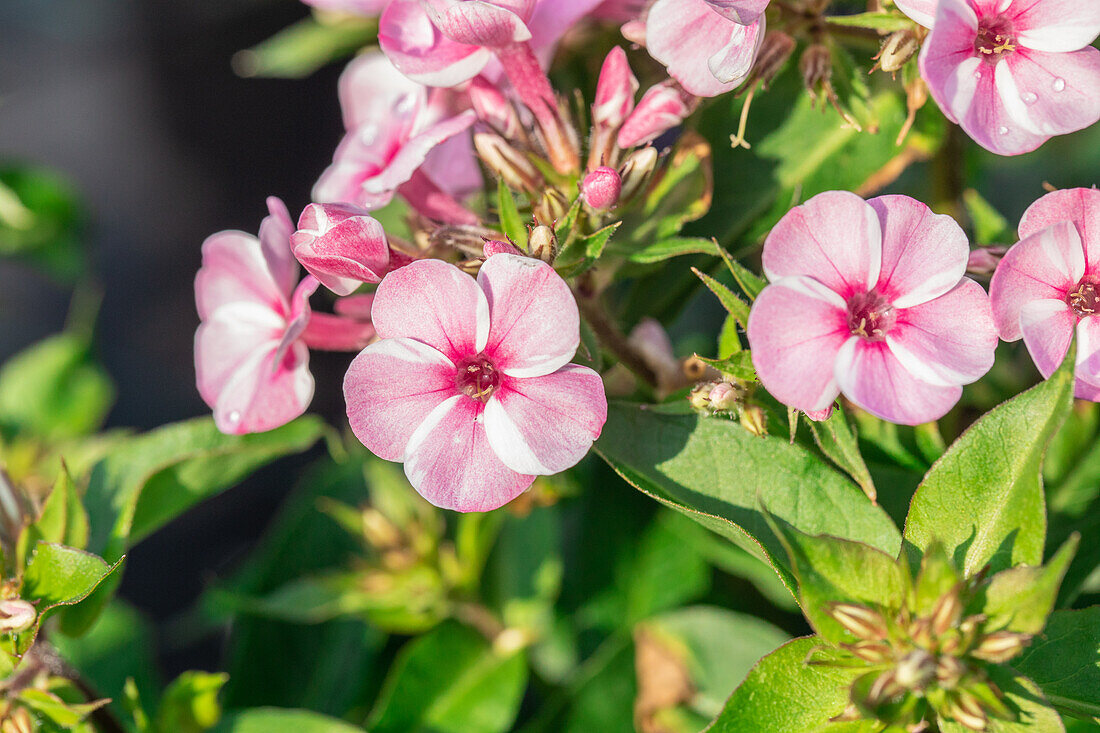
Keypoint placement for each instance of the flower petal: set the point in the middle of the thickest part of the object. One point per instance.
(421, 52)
(744, 12)
(948, 340)
(922, 11)
(732, 63)
(228, 338)
(265, 391)
(1047, 327)
(233, 271)
(835, 238)
(390, 388)
(924, 255)
(371, 90)
(1087, 367)
(1050, 93)
(796, 327)
(275, 231)
(684, 35)
(544, 425)
(341, 245)
(450, 462)
(480, 23)
(871, 376)
(435, 303)
(1079, 205)
(535, 326)
(1057, 25)
(1045, 265)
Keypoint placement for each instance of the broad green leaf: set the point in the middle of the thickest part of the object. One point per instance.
(306, 46)
(277, 720)
(1034, 715)
(41, 221)
(783, 693)
(450, 681)
(983, 500)
(990, 226)
(510, 220)
(837, 441)
(738, 365)
(672, 247)
(736, 307)
(718, 473)
(190, 704)
(602, 695)
(1065, 661)
(873, 21)
(834, 570)
(54, 389)
(1021, 598)
(63, 519)
(57, 575)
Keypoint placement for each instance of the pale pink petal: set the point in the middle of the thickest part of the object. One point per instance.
(744, 12)
(732, 63)
(342, 246)
(479, 23)
(871, 376)
(1050, 93)
(369, 8)
(684, 35)
(544, 425)
(1079, 205)
(275, 231)
(1046, 265)
(535, 325)
(835, 237)
(450, 462)
(363, 153)
(496, 247)
(435, 303)
(922, 11)
(452, 165)
(1047, 327)
(1056, 25)
(661, 108)
(431, 201)
(390, 388)
(265, 391)
(1087, 367)
(550, 21)
(948, 340)
(421, 52)
(1082, 390)
(227, 339)
(372, 90)
(234, 270)
(796, 327)
(924, 255)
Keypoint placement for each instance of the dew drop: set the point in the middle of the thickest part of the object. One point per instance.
(1029, 97)
(1059, 84)
(234, 417)
(978, 74)
(1002, 130)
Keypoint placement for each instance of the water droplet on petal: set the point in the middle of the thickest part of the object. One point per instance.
(368, 134)
(1002, 130)
(1059, 84)
(234, 417)
(1029, 97)
(978, 74)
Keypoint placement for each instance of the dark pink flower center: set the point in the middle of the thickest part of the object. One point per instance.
(477, 378)
(996, 39)
(1085, 300)
(870, 316)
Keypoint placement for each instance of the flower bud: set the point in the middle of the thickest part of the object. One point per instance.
(816, 66)
(863, 622)
(16, 615)
(18, 721)
(968, 712)
(341, 245)
(915, 670)
(820, 415)
(551, 208)
(661, 108)
(946, 613)
(518, 172)
(1000, 646)
(984, 260)
(493, 107)
(897, 49)
(495, 246)
(615, 91)
(754, 420)
(875, 652)
(601, 188)
(699, 397)
(723, 396)
(636, 170)
(949, 671)
(542, 243)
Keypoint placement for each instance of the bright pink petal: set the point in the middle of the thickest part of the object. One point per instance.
(1044, 266)
(835, 238)
(544, 425)
(924, 255)
(871, 376)
(1056, 25)
(744, 12)
(1079, 205)
(435, 303)
(372, 90)
(326, 332)
(661, 108)
(615, 91)
(922, 11)
(479, 23)
(796, 327)
(535, 326)
(452, 165)
(266, 392)
(342, 246)
(390, 389)
(234, 270)
(421, 52)
(1047, 327)
(685, 34)
(948, 340)
(450, 462)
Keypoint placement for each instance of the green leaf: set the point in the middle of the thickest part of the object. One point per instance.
(63, 519)
(1065, 661)
(306, 46)
(837, 441)
(990, 226)
(273, 720)
(190, 704)
(736, 307)
(873, 21)
(1034, 715)
(716, 472)
(1021, 598)
(831, 570)
(57, 575)
(450, 681)
(41, 221)
(583, 252)
(750, 283)
(510, 222)
(783, 693)
(984, 498)
(738, 366)
(54, 390)
(64, 714)
(672, 247)
(729, 338)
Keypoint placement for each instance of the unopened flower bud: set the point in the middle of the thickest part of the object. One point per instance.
(875, 652)
(341, 245)
(775, 49)
(1000, 646)
(946, 613)
(661, 108)
(493, 107)
(615, 91)
(816, 67)
(968, 712)
(636, 170)
(949, 670)
(984, 260)
(16, 615)
(884, 688)
(915, 670)
(820, 415)
(18, 721)
(723, 396)
(542, 243)
(754, 420)
(495, 247)
(863, 622)
(601, 188)
(699, 397)
(518, 172)
(898, 48)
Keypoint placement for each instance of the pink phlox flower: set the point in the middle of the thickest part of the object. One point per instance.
(400, 138)
(662, 107)
(702, 44)
(470, 385)
(251, 363)
(1047, 286)
(341, 245)
(1012, 73)
(868, 299)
